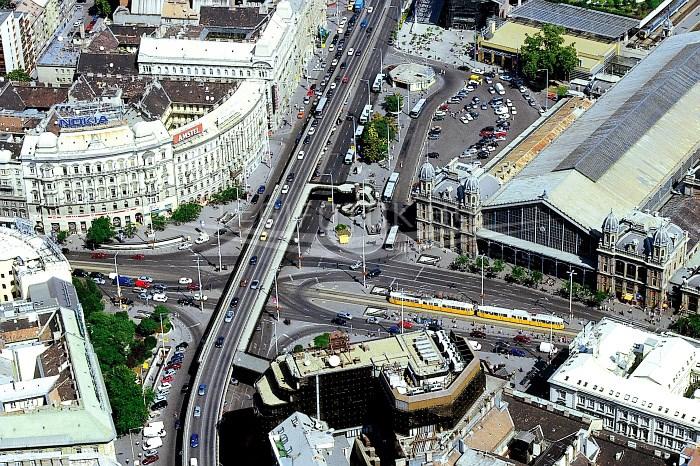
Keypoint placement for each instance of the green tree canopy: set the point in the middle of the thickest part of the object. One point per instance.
(18, 75)
(393, 103)
(546, 50)
(688, 326)
(147, 327)
(100, 231)
(103, 7)
(158, 222)
(374, 138)
(186, 213)
(127, 399)
(164, 311)
(111, 336)
(89, 296)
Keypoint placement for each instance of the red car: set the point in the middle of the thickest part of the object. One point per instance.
(98, 255)
(149, 459)
(346, 78)
(522, 339)
(193, 286)
(167, 379)
(138, 257)
(406, 324)
(173, 366)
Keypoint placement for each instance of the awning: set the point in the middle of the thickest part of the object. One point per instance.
(627, 297)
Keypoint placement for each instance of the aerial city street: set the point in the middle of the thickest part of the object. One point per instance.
(350, 232)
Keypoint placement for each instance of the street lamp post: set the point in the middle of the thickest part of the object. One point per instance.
(364, 227)
(369, 101)
(199, 279)
(119, 288)
(546, 85)
(482, 279)
(571, 294)
(297, 220)
(332, 198)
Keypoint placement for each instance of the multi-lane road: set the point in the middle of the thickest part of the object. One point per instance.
(214, 368)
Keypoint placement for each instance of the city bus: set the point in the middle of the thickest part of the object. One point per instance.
(377, 85)
(418, 108)
(320, 107)
(390, 187)
(366, 113)
(391, 238)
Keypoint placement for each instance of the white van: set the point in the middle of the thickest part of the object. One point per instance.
(152, 443)
(202, 238)
(349, 157)
(500, 89)
(193, 461)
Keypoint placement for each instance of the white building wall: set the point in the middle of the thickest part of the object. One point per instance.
(11, 41)
(126, 173)
(661, 430)
(277, 59)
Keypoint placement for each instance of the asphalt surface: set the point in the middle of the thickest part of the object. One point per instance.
(214, 368)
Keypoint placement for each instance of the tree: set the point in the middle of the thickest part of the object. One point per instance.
(562, 91)
(111, 335)
(374, 138)
(545, 50)
(129, 230)
(498, 266)
(162, 312)
(89, 296)
(147, 327)
(688, 326)
(393, 103)
(61, 236)
(18, 75)
(298, 349)
(127, 400)
(598, 297)
(158, 222)
(100, 232)
(461, 262)
(478, 262)
(227, 195)
(517, 275)
(322, 340)
(186, 213)
(535, 277)
(103, 7)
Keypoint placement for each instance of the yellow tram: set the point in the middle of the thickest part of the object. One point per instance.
(515, 316)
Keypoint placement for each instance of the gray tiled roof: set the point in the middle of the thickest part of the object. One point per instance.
(576, 19)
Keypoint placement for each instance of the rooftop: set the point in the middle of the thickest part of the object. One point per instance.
(684, 211)
(576, 19)
(619, 154)
(107, 64)
(635, 368)
(555, 426)
(301, 440)
(54, 380)
(249, 17)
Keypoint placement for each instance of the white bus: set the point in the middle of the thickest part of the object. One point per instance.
(391, 238)
(321, 106)
(390, 187)
(366, 113)
(499, 88)
(415, 111)
(377, 85)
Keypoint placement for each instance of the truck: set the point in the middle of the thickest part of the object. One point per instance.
(359, 5)
(124, 281)
(366, 113)
(152, 443)
(547, 347)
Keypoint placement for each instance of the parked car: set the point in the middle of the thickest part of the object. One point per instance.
(522, 339)
(184, 281)
(517, 352)
(160, 298)
(149, 459)
(98, 255)
(477, 334)
(194, 440)
(197, 411)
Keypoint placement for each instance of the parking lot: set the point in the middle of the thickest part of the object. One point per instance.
(457, 135)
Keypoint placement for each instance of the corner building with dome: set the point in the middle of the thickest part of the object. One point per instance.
(613, 198)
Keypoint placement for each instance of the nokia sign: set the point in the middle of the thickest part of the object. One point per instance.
(82, 121)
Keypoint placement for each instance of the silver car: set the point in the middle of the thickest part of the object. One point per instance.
(197, 411)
